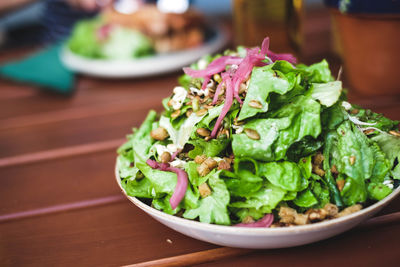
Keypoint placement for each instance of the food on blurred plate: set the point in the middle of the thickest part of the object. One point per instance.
(168, 31)
(250, 138)
(114, 35)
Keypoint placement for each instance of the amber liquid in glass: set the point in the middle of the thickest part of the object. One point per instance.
(278, 19)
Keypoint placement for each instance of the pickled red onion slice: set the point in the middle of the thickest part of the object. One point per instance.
(265, 221)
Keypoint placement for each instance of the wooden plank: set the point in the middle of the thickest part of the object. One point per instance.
(109, 235)
(61, 153)
(195, 258)
(89, 93)
(84, 204)
(376, 247)
(57, 182)
(62, 134)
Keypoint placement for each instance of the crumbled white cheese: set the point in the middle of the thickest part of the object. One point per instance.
(210, 84)
(160, 149)
(238, 128)
(346, 105)
(172, 148)
(199, 92)
(234, 67)
(180, 94)
(202, 64)
(178, 163)
(388, 183)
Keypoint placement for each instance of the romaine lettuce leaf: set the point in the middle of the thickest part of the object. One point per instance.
(390, 145)
(267, 198)
(213, 208)
(326, 93)
(284, 174)
(124, 43)
(263, 81)
(305, 199)
(316, 73)
(268, 129)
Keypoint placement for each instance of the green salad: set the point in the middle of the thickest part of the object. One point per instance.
(94, 38)
(250, 138)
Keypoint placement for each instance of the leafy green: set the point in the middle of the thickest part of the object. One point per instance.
(317, 73)
(378, 191)
(209, 148)
(213, 208)
(285, 174)
(263, 81)
(83, 40)
(265, 199)
(327, 93)
(121, 43)
(261, 149)
(305, 199)
(124, 43)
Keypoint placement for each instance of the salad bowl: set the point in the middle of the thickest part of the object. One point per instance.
(260, 238)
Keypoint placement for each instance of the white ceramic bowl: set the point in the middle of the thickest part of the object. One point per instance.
(260, 238)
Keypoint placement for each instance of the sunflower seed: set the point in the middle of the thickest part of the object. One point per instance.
(255, 104)
(252, 134)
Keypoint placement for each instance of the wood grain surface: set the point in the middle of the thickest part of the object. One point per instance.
(60, 205)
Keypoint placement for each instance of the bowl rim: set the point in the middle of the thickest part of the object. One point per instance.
(276, 231)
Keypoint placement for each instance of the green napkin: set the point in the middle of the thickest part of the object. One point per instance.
(43, 69)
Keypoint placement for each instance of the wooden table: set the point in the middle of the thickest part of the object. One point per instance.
(60, 204)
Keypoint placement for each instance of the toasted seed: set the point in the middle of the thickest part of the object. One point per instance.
(189, 112)
(349, 210)
(195, 103)
(248, 219)
(204, 190)
(301, 219)
(369, 131)
(255, 104)
(224, 165)
(318, 159)
(165, 157)
(317, 170)
(200, 159)
(331, 209)
(217, 78)
(334, 169)
(203, 169)
(319, 214)
(207, 138)
(287, 214)
(242, 88)
(340, 184)
(211, 163)
(236, 122)
(394, 133)
(354, 111)
(176, 113)
(352, 160)
(252, 134)
(201, 112)
(203, 132)
(139, 176)
(159, 134)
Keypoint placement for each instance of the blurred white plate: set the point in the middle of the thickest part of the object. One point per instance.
(152, 65)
